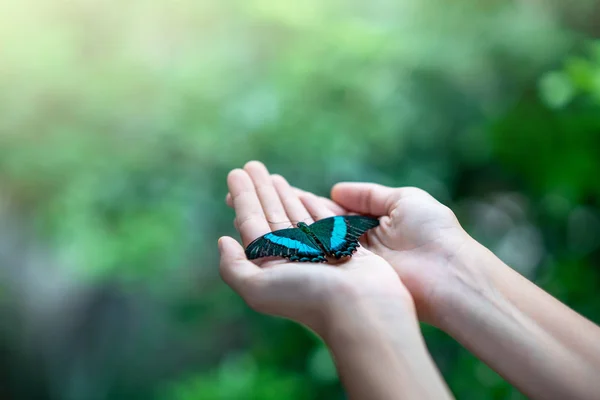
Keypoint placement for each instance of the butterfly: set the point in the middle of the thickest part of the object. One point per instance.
(329, 237)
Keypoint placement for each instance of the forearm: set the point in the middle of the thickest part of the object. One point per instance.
(382, 355)
(565, 325)
(504, 320)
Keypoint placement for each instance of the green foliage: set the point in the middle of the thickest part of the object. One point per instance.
(239, 377)
(580, 76)
(118, 126)
(556, 89)
(321, 366)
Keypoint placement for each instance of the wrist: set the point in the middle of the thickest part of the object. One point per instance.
(365, 317)
(380, 342)
(469, 277)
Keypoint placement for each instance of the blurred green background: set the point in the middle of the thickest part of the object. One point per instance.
(120, 120)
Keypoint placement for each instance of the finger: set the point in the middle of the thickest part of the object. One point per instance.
(296, 211)
(269, 199)
(235, 269)
(250, 219)
(331, 205)
(316, 207)
(365, 198)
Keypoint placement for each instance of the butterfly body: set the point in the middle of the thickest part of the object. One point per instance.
(333, 237)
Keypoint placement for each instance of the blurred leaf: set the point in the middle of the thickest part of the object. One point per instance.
(581, 73)
(556, 89)
(321, 365)
(239, 377)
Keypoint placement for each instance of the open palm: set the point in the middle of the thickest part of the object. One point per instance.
(417, 235)
(304, 292)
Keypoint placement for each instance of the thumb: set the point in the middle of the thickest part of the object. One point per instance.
(365, 198)
(235, 269)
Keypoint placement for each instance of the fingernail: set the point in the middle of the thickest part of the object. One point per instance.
(220, 245)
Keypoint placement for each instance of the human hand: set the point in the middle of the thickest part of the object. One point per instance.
(460, 286)
(420, 237)
(315, 295)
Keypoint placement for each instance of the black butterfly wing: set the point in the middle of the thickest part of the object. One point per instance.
(339, 235)
(289, 243)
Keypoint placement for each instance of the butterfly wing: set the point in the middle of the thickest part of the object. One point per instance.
(289, 243)
(339, 235)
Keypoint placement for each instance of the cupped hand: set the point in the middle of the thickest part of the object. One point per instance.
(418, 236)
(311, 294)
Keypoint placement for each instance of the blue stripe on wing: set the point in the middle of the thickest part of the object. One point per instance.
(339, 235)
(292, 244)
(289, 243)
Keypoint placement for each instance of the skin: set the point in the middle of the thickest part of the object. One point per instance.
(535, 342)
(360, 308)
